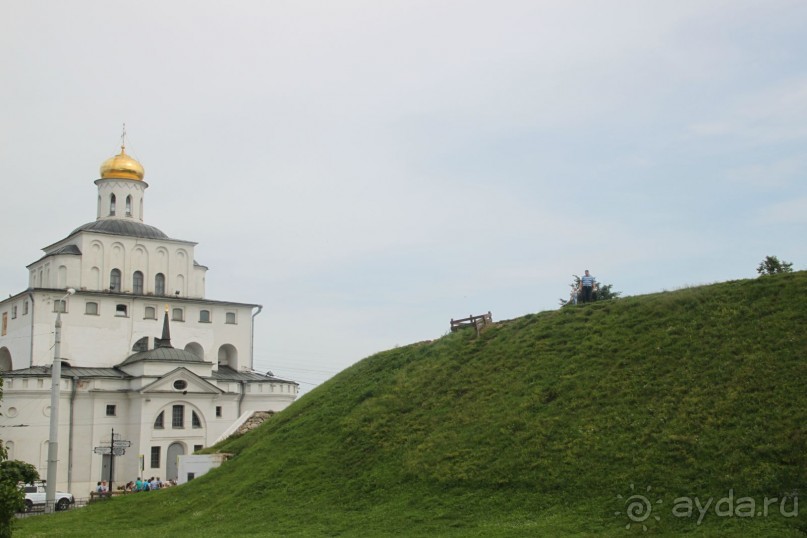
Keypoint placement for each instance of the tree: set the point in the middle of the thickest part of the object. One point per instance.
(17, 471)
(771, 266)
(602, 292)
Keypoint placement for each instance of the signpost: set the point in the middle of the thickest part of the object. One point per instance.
(114, 447)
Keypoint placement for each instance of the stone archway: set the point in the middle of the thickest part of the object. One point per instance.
(228, 356)
(5, 360)
(196, 348)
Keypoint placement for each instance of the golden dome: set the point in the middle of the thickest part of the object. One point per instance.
(121, 166)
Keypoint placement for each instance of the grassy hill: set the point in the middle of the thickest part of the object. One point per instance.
(545, 425)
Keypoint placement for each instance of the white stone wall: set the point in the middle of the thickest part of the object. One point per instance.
(26, 418)
(102, 253)
(105, 339)
(15, 344)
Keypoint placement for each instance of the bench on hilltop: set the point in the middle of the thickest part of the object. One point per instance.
(477, 322)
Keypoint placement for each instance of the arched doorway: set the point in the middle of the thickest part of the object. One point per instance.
(172, 460)
(228, 356)
(5, 360)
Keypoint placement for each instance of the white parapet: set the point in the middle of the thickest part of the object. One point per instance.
(195, 465)
(234, 426)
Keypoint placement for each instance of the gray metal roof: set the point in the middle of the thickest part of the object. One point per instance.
(169, 354)
(126, 227)
(67, 371)
(225, 373)
(66, 249)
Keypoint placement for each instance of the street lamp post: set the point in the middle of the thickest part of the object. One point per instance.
(56, 381)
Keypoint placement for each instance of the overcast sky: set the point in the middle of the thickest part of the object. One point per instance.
(368, 170)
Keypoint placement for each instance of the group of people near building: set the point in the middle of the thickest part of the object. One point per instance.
(136, 485)
(148, 484)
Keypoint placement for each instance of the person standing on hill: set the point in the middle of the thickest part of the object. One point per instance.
(587, 286)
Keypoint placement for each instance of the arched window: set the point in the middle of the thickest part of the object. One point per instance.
(129, 206)
(150, 313)
(141, 345)
(137, 283)
(204, 316)
(196, 422)
(159, 284)
(159, 423)
(196, 349)
(61, 277)
(114, 279)
(112, 202)
(91, 308)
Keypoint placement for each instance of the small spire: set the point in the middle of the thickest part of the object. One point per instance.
(165, 341)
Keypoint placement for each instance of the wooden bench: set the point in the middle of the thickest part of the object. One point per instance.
(97, 496)
(478, 322)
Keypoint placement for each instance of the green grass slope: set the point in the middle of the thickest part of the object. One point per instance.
(554, 424)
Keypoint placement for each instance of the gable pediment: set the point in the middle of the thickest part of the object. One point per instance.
(181, 381)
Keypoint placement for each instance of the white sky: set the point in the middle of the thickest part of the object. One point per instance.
(368, 170)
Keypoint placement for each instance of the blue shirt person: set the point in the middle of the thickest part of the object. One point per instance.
(587, 286)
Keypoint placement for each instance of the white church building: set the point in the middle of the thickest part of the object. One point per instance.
(143, 351)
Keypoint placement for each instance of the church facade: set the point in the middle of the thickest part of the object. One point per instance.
(142, 351)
